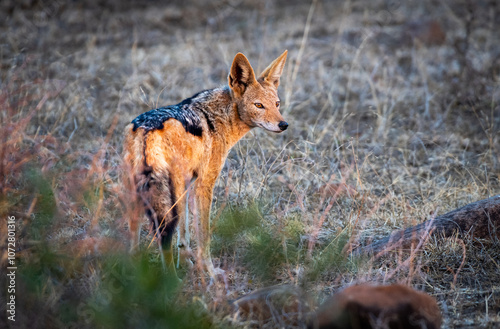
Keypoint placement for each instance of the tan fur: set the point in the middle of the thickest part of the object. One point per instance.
(364, 306)
(175, 157)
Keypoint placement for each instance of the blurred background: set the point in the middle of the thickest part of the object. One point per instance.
(394, 117)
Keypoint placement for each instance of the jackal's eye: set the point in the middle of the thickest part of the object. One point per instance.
(278, 104)
(259, 105)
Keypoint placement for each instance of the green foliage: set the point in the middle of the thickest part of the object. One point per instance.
(45, 265)
(233, 224)
(330, 259)
(45, 206)
(265, 247)
(293, 233)
(138, 293)
(244, 231)
(264, 253)
(118, 291)
(45, 288)
(92, 193)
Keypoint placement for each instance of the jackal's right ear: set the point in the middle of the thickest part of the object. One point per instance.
(241, 74)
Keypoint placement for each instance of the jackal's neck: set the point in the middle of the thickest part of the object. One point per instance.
(226, 120)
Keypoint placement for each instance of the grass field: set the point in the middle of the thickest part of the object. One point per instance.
(394, 117)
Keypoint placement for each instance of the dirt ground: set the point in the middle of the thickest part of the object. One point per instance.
(394, 117)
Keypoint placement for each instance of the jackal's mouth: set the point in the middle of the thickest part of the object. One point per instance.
(275, 128)
(271, 129)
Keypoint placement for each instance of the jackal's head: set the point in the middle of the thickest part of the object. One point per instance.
(257, 98)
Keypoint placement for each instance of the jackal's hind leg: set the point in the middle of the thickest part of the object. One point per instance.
(166, 247)
(135, 217)
(183, 234)
(137, 201)
(177, 214)
(135, 234)
(163, 216)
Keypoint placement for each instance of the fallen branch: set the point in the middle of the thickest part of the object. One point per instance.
(479, 219)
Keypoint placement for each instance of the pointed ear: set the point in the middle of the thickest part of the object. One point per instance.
(241, 74)
(273, 72)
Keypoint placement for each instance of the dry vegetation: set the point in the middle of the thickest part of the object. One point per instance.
(394, 117)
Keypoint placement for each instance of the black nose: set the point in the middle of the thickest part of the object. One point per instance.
(283, 125)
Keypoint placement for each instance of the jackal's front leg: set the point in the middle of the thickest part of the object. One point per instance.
(204, 200)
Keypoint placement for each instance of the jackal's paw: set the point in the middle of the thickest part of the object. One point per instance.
(218, 271)
(214, 272)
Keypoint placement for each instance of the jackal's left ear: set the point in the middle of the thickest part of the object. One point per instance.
(273, 72)
(241, 74)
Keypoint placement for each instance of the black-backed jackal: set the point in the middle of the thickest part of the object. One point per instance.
(170, 147)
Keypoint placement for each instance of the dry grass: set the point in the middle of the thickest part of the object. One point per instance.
(389, 124)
